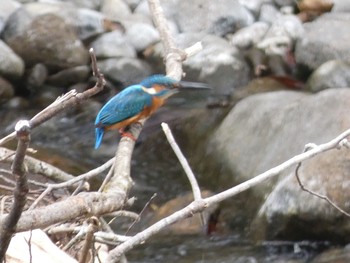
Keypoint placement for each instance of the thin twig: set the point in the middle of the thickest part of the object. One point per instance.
(75, 239)
(139, 215)
(184, 163)
(29, 242)
(122, 213)
(8, 227)
(107, 178)
(323, 197)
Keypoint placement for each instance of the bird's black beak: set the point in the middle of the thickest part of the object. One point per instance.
(192, 85)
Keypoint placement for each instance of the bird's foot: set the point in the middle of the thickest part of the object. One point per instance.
(127, 134)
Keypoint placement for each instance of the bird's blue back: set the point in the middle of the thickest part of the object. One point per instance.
(124, 105)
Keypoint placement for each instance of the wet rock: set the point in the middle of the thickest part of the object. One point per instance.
(208, 13)
(133, 3)
(254, 5)
(324, 39)
(6, 9)
(113, 44)
(6, 90)
(217, 64)
(37, 76)
(269, 13)
(281, 35)
(286, 212)
(70, 76)
(11, 64)
(44, 39)
(331, 74)
(224, 26)
(124, 70)
(115, 9)
(336, 255)
(249, 36)
(265, 130)
(141, 35)
(87, 23)
(341, 6)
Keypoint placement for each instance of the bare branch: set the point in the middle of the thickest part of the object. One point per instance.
(121, 180)
(173, 55)
(89, 239)
(74, 207)
(323, 197)
(137, 219)
(183, 161)
(8, 227)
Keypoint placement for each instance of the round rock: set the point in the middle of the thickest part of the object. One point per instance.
(11, 64)
(44, 39)
(326, 38)
(124, 70)
(331, 74)
(113, 44)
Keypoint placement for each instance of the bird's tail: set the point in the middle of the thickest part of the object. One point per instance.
(99, 135)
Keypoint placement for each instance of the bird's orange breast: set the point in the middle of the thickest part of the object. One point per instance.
(146, 112)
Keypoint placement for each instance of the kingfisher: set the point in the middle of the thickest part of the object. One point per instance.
(137, 102)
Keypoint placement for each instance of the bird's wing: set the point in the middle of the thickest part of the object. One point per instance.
(124, 105)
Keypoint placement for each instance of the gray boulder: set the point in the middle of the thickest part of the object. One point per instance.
(115, 9)
(141, 35)
(331, 74)
(124, 70)
(113, 44)
(218, 64)
(6, 9)
(87, 23)
(44, 39)
(326, 38)
(264, 130)
(7, 91)
(11, 64)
